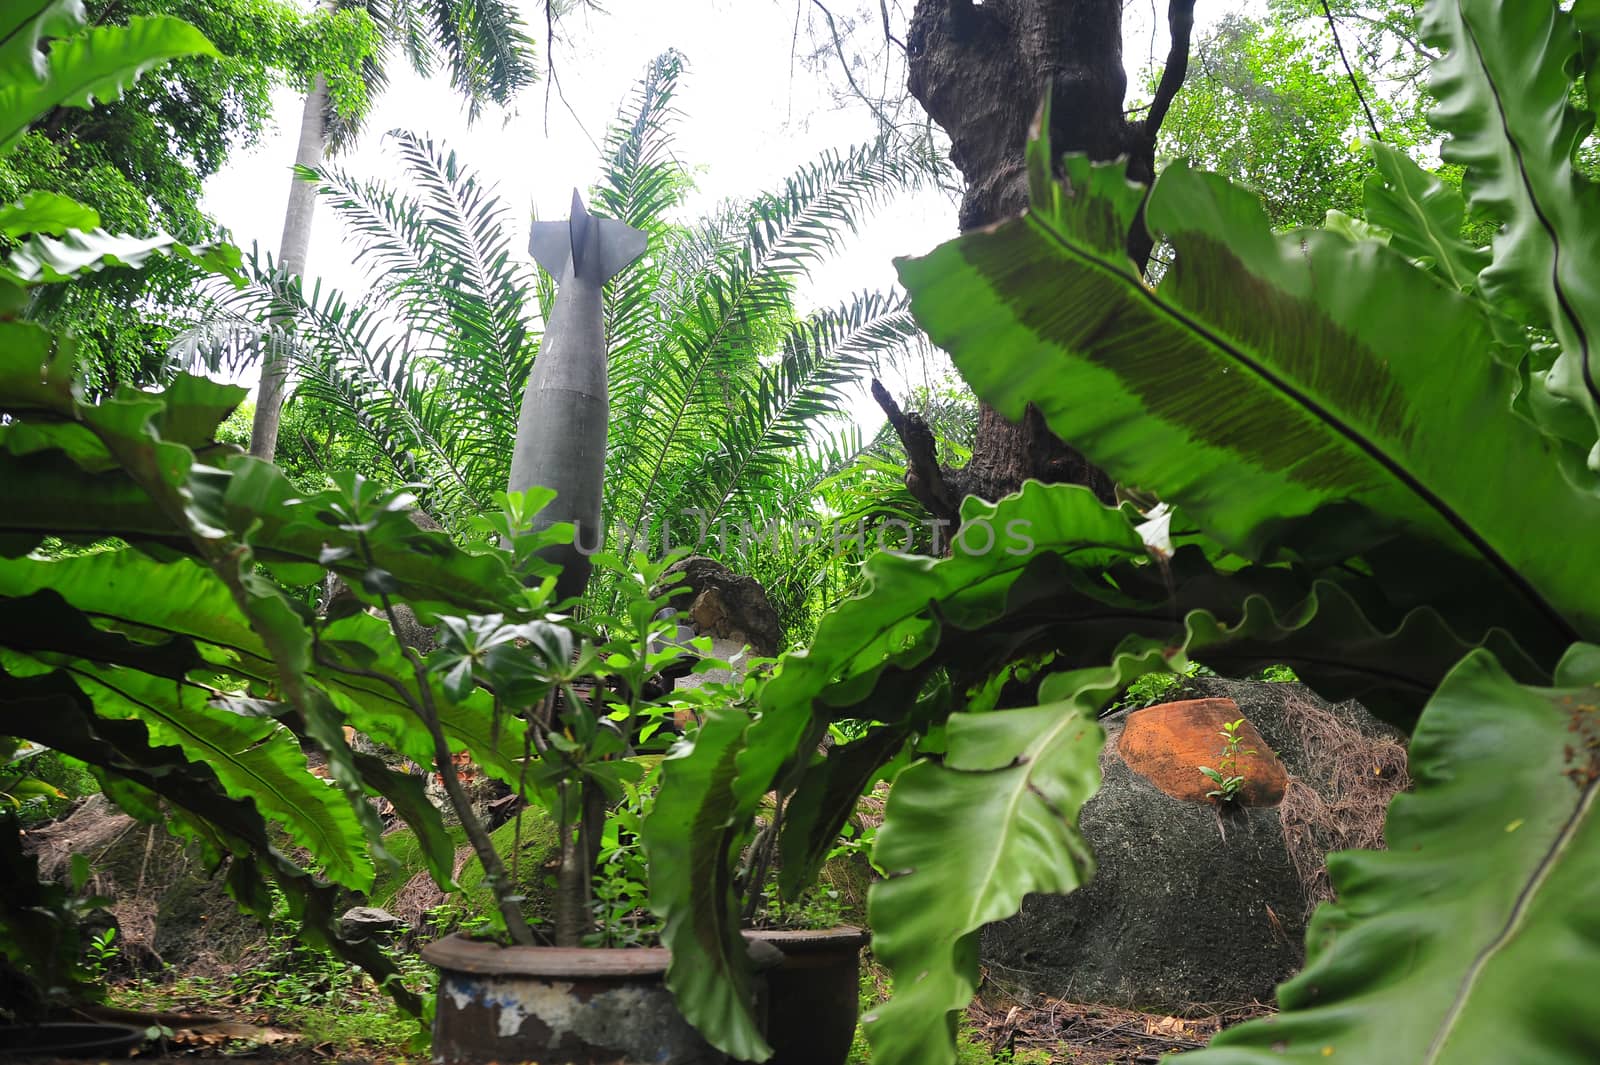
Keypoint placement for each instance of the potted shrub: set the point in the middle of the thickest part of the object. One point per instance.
(813, 995)
(577, 692)
(544, 702)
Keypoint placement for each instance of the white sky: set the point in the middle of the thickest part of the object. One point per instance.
(750, 117)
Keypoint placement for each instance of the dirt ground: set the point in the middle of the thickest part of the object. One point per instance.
(1070, 1034)
(1073, 1034)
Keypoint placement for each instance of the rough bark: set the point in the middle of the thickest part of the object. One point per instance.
(292, 252)
(980, 71)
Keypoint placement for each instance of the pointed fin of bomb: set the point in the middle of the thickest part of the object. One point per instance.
(612, 244)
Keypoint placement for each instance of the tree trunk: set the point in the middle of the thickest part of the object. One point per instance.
(291, 262)
(981, 71)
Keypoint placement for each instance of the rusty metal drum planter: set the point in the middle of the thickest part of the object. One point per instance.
(562, 1006)
(813, 997)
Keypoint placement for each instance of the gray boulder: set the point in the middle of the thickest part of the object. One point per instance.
(365, 922)
(1197, 903)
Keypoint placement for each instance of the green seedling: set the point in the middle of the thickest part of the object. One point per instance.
(1227, 776)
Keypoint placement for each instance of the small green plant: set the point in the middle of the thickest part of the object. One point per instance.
(1278, 675)
(454, 915)
(622, 918)
(1227, 776)
(1152, 689)
(103, 950)
(1149, 690)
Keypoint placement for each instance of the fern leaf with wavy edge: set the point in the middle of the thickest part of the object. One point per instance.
(1504, 84)
(1471, 939)
(1586, 16)
(1265, 378)
(24, 26)
(255, 759)
(197, 607)
(129, 427)
(1424, 217)
(963, 841)
(44, 259)
(692, 845)
(267, 640)
(39, 211)
(88, 67)
(135, 773)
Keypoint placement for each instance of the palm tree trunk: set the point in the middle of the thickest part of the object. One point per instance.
(291, 262)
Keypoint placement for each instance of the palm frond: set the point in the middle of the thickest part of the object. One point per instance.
(360, 364)
(393, 245)
(485, 46)
(466, 289)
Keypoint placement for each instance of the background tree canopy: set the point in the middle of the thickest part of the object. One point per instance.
(142, 161)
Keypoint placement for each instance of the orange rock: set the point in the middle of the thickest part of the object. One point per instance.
(1168, 744)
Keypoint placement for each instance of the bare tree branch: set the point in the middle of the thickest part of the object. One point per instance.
(1333, 27)
(888, 31)
(1180, 24)
(925, 478)
(844, 64)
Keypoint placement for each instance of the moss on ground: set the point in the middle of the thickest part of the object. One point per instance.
(533, 870)
(534, 880)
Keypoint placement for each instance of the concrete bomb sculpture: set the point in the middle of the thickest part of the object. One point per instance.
(561, 430)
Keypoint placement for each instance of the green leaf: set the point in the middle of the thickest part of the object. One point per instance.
(1504, 85)
(137, 772)
(1586, 16)
(1269, 379)
(254, 758)
(1472, 938)
(964, 840)
(29, 788)
(409, 795)
(93, 66)
(828, 796)
(47, 259)
(24, 24)
(45, 212)
(1423, 216)
(692, 838)
(196, 605)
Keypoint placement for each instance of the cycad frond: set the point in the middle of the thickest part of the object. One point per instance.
(365, 368)
(822, 358)
(721, 391)
(392, 240)
(727, 315)
(473, 294)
